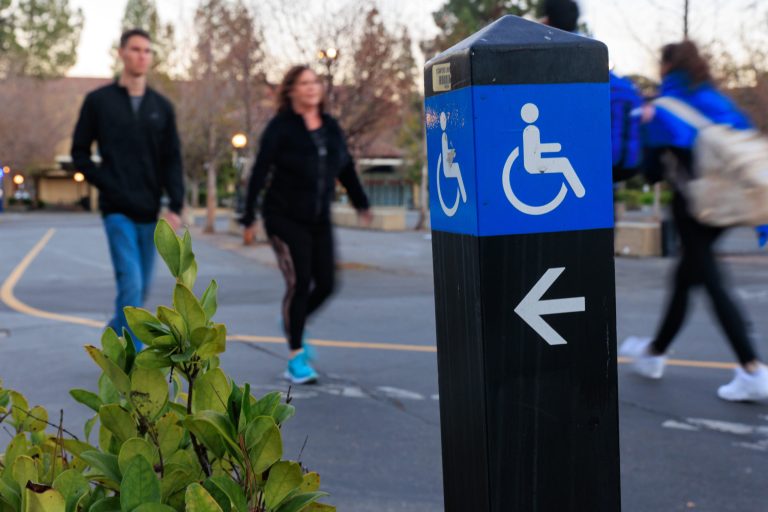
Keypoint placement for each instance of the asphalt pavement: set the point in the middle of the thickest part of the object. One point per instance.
(372, 426)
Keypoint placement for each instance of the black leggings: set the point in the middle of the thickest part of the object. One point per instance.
(698, 266)
(305, 257)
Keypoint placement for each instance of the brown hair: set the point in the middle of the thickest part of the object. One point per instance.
(132, 33)
(286, 86)
(685, 56)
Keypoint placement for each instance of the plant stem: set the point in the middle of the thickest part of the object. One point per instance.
(202, 456)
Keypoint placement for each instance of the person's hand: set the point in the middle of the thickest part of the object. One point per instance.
(647, 113)
(249, 233)
(173, 219)
(365, 217)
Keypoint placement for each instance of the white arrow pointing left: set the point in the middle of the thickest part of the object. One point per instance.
(532, 308)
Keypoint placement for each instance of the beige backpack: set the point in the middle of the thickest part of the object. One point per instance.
(730, 168)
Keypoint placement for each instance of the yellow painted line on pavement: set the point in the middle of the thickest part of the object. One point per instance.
(338, 344)
(10, 300)
(7, 296)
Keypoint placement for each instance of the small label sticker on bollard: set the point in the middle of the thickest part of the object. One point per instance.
(441, 77)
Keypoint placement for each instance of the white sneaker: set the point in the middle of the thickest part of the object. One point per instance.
(746, 386)
(643, 363)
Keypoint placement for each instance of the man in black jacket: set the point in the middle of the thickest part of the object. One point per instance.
(135, 130)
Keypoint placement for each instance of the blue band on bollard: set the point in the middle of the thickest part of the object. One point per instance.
(517, 159)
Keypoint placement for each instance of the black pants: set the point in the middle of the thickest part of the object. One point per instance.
(698, 266)
(305, 257)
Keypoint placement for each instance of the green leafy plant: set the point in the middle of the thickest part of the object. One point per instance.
(172, 431)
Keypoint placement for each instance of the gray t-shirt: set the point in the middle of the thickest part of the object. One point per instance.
(136, 103)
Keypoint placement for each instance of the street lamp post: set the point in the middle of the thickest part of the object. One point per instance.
(328, 57)
(239, 141)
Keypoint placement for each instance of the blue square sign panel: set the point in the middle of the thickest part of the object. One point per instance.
(517, 159)
(451, 147)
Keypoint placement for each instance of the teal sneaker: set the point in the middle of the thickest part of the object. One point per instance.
(309, 349)
(299, 371)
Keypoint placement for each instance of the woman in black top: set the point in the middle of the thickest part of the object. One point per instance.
(304, 153)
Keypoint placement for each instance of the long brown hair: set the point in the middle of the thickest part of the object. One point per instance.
(685, 56)
(286, 86)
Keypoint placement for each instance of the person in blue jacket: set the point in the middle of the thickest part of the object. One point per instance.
(668, 142)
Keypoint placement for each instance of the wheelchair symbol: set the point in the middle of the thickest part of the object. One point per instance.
(534, 163)
(450, 169)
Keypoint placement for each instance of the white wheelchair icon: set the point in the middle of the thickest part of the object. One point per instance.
(534, 163)
(451, 169)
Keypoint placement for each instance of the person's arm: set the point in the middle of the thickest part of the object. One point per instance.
(349, 178)
(82, 140)
(260, 170)
(171, 165)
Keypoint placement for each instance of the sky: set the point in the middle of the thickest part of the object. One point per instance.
(632, 29)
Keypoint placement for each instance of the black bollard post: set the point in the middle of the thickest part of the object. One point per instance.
(518, 135)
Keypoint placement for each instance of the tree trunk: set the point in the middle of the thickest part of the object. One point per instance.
(423, 200)
(194, 191)
(210, 199)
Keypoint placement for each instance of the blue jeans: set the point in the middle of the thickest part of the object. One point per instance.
(132, 247)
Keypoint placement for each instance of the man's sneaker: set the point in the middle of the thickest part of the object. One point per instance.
(643, 363)
(299, 371)
(309, 349)
(746, 386)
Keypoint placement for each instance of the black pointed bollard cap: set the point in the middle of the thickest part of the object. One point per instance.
(512, 50)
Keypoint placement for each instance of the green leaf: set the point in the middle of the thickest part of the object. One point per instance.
(205, 423)
(185, 302)
(24, 470)
(210, 392)
(319, 507)
(198, 500)
(174, 480)
(108, 393)
(201, 335)
(215, 345)
(154, 507)
(49, 500)
(10, 493)
(149, 391)
(189, 277)
(76, 447)
(133, 447)
(169, 433)
(139, 485)
(152, 359)
(87, 398)
(72, 485)
(116, 375)
(209, 301)
(18, 446)
(130, 351)
(118, 421)
(299, 502)
(19, 407)
(111, 504)
(245, 408)
(89, 424)
(35, 420)
(174, 320)
(168, 246)
(187, 256)
(284, 478)
(233, 491)
(105, 463)
(113, 348)
(165, 341)
(310, 482)
(143, 324)
(217, 494)
(264, 443)
(283, 412)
